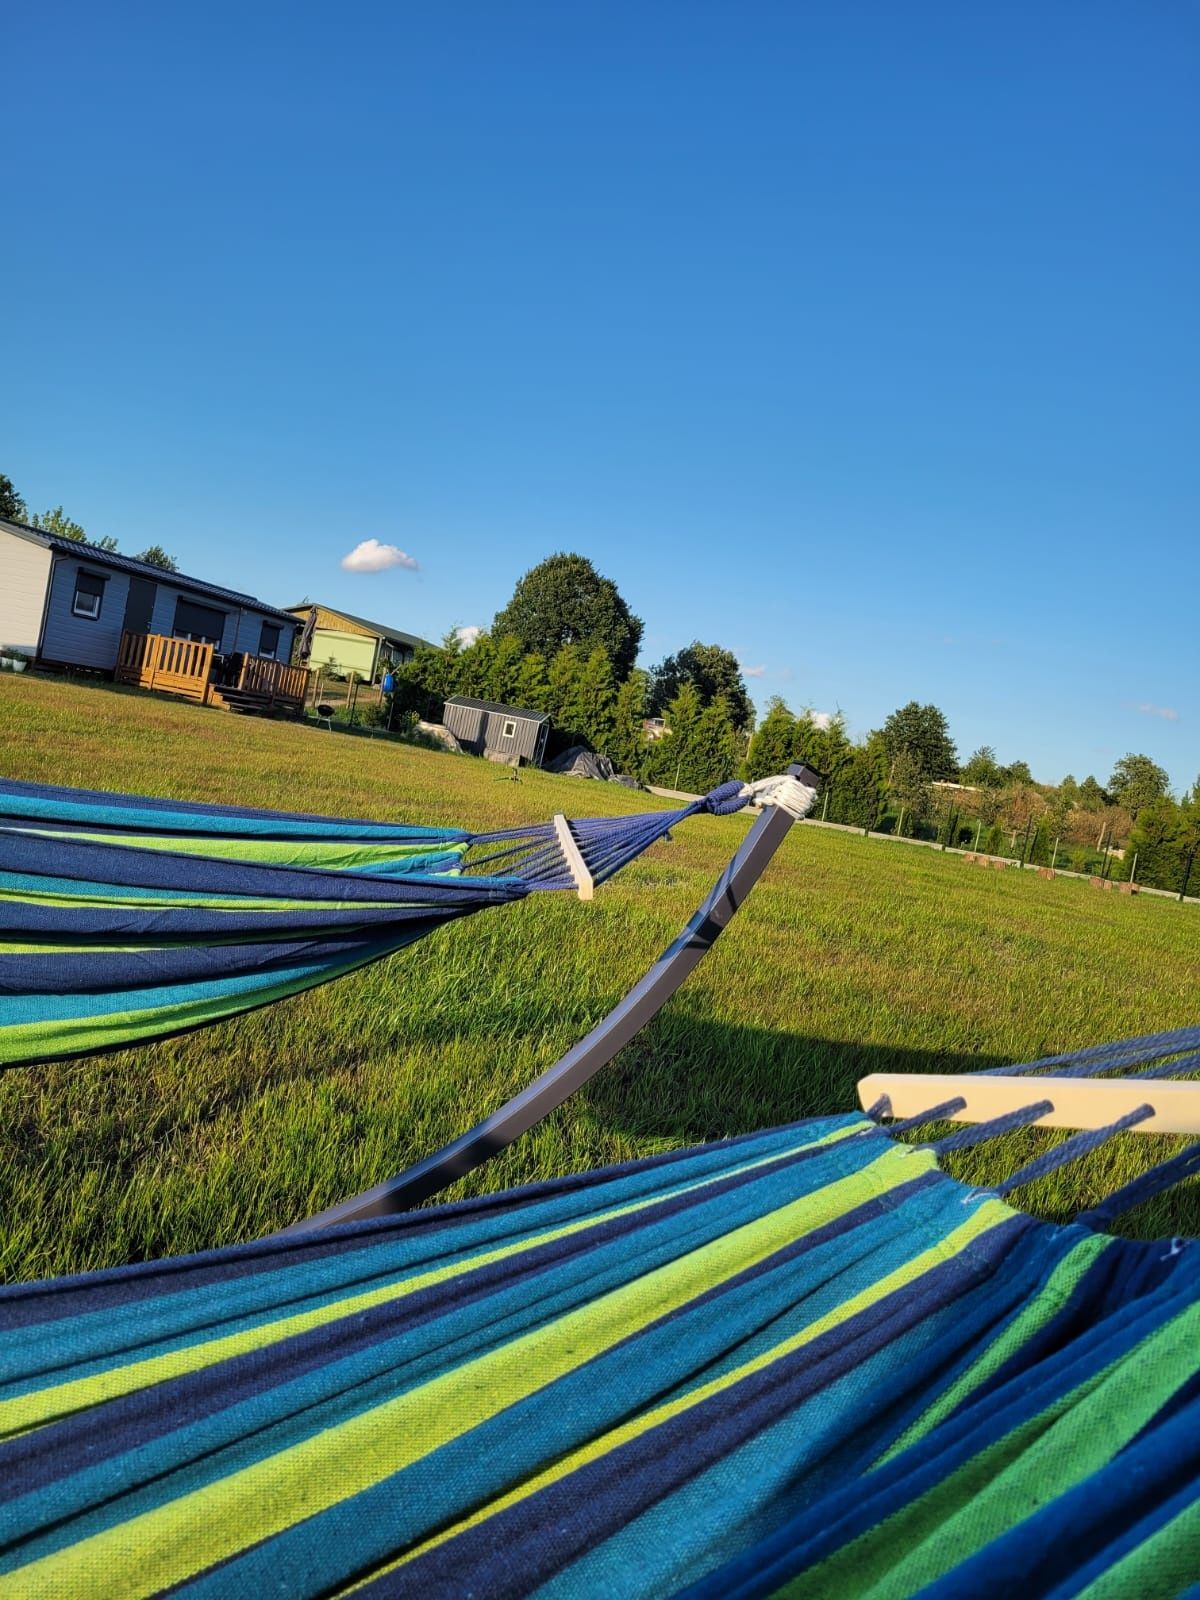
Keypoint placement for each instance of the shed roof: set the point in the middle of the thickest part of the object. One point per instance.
(495, 705)
(142, 569)
(392, 635)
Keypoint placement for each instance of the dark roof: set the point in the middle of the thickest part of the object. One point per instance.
(494, 705)
(392, 635)
(144, 569)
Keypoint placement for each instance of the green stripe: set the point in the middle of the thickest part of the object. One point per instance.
(1011, 1479)
(1047, 1303)
(34, 1041)
(1161, 1568)
(327, 853)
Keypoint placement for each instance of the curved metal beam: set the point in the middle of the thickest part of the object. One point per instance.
(585, 1059)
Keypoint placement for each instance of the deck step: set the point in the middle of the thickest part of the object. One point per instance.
(249, 703)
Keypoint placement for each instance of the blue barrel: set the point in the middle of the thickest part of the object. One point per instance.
(389, 682)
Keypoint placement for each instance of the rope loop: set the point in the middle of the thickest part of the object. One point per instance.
(725, 799)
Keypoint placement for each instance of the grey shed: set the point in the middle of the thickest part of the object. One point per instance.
(486, 728)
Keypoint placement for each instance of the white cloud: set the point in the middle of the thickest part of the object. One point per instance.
(1168, 713)
(371, 556)
(468, 635)
(821, 719)
(752, 672)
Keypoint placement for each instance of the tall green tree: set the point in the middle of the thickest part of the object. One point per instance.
(910, 789)
(563, 701)
(58, 523)
(596, 696)
(532, 686)
(924, 731)
(505, 669)
(713, 671)
(627, 748)
(773, 745)
(824, 744)
(1016, 772)
(474, 668)
(1158, 837)
(859, 795)
(1137, 782)
(982, 769)
(564, 600)
(12, 507)
(155, 556)
(671, 757)
(716, 751)
(1091, 796)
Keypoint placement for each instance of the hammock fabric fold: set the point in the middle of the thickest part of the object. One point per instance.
(125, 918)
(803, 1362)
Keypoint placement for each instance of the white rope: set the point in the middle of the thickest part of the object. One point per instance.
(784, 791)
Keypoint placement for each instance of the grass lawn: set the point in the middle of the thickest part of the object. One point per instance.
(851, 956)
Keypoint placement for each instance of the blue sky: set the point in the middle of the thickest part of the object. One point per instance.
(859, 338)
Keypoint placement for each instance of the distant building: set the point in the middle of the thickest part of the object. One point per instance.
(486, 728)
(342, 643)
(67, 603)
(655, 728)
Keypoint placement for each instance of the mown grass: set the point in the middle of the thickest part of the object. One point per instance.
(851, 956)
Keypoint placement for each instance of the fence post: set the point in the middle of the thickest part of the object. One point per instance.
(1133, 869)
(1187, 873)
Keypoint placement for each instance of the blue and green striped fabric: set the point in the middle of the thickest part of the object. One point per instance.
(802, 1362)
(124, 918)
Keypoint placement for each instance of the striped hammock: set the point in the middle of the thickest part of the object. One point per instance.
(804, 1362)
(124, 918)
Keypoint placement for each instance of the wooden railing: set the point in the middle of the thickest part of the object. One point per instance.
(176, 666)
(277, 680)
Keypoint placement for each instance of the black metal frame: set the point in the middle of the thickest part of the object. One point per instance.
(595, 1050)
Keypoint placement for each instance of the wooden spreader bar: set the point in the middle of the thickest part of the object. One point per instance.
(1078, 1102)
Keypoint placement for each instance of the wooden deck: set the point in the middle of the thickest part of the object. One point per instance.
(175, 666)
(179, 666)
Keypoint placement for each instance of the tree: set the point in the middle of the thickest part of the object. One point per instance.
(713, 670)
(595, 699)
(716, 748)
(627, 743)
(562, 689)
(923, 730)
(564, 601)
(531, 686)
(771, 749)
(824, 745)
(156, 556)
(671, 758)
(982, 769)
(1091, 796)
(860, 792)
(1136, 782)
(58, 523)
(909, 787)
(1016, 772)
(505, 670)
(473, 670)
(12, 507)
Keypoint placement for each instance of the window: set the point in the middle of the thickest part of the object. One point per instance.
(509, 731)
(201, 624)
(268, 640)
(89, 592)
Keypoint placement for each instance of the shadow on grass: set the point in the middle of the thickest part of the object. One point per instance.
(695, 1078)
